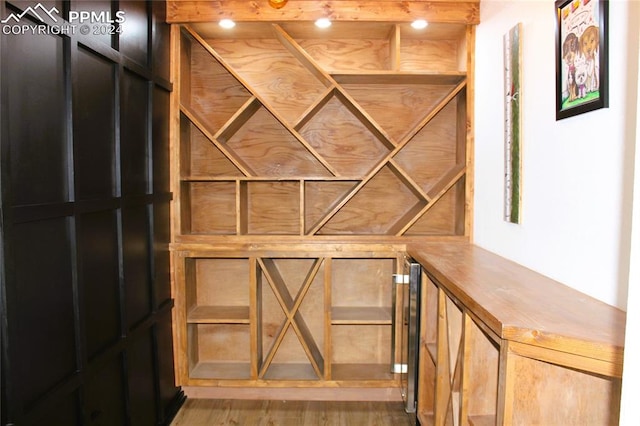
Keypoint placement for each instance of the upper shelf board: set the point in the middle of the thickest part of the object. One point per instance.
(338, 30)
(452, 11)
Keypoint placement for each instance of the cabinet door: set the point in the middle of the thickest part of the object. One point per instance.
(85, 238)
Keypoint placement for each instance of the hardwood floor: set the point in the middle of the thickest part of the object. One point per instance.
(200, 412)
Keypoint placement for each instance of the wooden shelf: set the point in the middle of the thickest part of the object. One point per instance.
(383, 78)
(290, 372)
(218, 351)
(231, 178)
(486, 420)
(360, 315)
(361, 372)
(221, 370)
(218, 315)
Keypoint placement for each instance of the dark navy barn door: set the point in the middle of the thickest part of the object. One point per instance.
(86, 302)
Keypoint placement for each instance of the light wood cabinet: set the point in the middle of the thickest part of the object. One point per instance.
(503, 345)
(303, 158)
(322, 319)
(459, 362)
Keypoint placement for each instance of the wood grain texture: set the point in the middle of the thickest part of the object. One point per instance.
(563, 396)
(271, 150)
(182, 273)
(218, 315)
(226, 343)
(278, 275)
(216, 206)
(214, 138)
(362, 282)
(359, 345)
(320, 197)
(177, 157)
(221, 282)
(397, 107)
(181, 11)
(343, 140)
(430, 55)
(299, 160)
(339, 392)
(273, 208)
(348, 54)
(221, 370)
(524, 306)
(433, 151)
(343, 130)
(368, 211)
(480, 373)
(205, 159)
(361, 315)
(291, 88)
(484, 374)
(349, 30)
(201, 412)
(441, 215)
(469, 136)
(214, 93)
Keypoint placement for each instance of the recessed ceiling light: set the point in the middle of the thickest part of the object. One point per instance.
(323, 23)
(227, 23)
(419, 24)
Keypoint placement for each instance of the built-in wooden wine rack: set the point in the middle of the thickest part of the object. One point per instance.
(305, 157)
(324, 318)
(281, 137)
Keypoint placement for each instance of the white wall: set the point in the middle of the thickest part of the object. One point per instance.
(629, 413)
(577, 172)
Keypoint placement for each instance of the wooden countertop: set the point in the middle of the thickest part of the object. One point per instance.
(521, 305)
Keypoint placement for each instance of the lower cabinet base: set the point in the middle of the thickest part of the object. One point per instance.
(503, 345)
(297, 325)
(307, 394)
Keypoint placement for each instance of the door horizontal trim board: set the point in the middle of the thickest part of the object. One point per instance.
(32, 213)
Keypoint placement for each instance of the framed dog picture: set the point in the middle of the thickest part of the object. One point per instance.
(581, 56)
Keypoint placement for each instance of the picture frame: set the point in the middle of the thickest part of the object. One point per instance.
(581, 56)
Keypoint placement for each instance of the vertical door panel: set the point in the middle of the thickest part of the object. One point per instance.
(36, 118)
(136, 260)
(99, 279)
(94, 121)
(133, 40)
(133, 134)
(42, 308)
